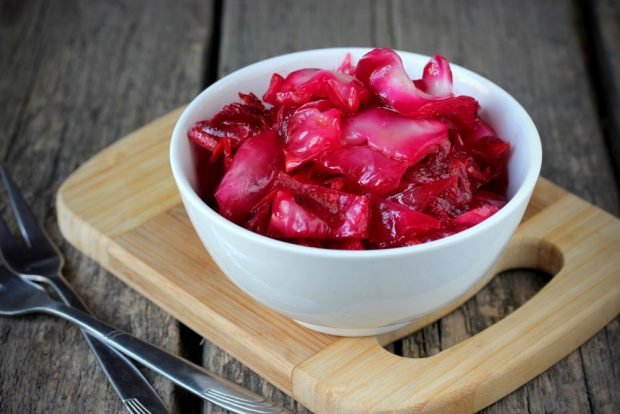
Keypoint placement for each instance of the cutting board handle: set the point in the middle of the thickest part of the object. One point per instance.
(582, 297)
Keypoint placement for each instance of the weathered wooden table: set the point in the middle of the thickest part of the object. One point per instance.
(75, 76)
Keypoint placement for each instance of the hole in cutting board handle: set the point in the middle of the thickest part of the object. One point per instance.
(532, 253)
(525, 268)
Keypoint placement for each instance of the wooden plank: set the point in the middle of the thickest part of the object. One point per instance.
(297, 25)
(602, 20)
(361, 377)
(76, 76)
(603, 33)
(547, 75)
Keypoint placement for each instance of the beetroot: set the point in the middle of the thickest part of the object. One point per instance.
(346, 214)
(236, 122)
(361, 157)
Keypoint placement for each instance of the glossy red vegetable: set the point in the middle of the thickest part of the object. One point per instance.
(383, 71)
(306, 85)
(361, 157)
(396, 225)
(289, 219)
(311, 131)
(250, 175)
(394, 135)
(436, 78)
(370, 169)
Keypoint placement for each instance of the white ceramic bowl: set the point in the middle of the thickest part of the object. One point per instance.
(355, 293)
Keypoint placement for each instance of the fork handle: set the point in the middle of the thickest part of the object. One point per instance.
(192, 377)
(126, 379)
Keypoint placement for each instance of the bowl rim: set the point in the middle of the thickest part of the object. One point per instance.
(188, 193)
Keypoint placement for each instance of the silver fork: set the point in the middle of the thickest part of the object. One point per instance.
(38, 259)
(19, 296)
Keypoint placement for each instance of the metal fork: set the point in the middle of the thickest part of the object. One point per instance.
(19, 296)
(38, 259)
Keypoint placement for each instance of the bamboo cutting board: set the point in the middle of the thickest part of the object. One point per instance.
(122, 209)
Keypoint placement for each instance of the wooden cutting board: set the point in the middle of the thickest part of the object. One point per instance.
(122, 209)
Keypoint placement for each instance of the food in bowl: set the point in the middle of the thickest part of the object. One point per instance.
(357, 158)
(344, 292)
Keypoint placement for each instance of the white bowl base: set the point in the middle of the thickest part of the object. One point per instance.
(354, 331)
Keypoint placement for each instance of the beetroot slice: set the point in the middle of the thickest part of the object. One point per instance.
(208, 173)
(199, 137)
(238, 122)
(260, 214)
(383, 71)
(370, 169)
(347, 214)
(250, 175)
(311, 131)
(231, 126)
(395, 136)
(465, 177)
(252, 101)
(290, 220)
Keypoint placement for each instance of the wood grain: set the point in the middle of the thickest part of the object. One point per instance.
(162, 258)
(351, 374)
(204, 290)
(79, 75)
(75, 76)
(602, 20)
